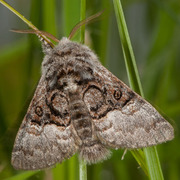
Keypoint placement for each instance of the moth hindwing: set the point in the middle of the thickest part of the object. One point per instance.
(79, 106)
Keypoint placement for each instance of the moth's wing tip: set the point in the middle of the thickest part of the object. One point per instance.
(14, 162)
(35, 152)
(159, 124)
(168, 131)
(145, 127)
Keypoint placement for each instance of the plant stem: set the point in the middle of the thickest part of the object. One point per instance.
(82, 163)
(153, 163)
(150, 158)
(128, 53)
(82, 170)
(25, 20)
(18, 14)
(82, 16)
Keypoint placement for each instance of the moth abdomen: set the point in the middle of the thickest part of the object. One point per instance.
(91, 149)
(94, 152)
(80, 117)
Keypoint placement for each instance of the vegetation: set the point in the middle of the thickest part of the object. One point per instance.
(154, 32)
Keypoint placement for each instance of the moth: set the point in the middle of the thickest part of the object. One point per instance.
(80, 106)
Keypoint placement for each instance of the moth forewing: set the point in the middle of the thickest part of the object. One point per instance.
(125, 119)
(42, 140)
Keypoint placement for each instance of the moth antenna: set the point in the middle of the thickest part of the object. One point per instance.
(30, 31)
(85, 21)
(49, 35)
(41, 35)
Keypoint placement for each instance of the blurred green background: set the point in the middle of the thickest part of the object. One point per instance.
(154, 28)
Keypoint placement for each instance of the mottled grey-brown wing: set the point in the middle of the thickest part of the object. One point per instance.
(44, 138)
(123, 119)
(128, 128)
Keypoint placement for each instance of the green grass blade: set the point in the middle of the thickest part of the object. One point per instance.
(72, 167)
(49, 23)
(104, 27)
(82, 163)
(129, 58)
(25, 20)
(73, 12)
(71, 16)
(82, 170)
(23, 176)
(59, 172)
(18, 14)
(139, 156)
(151, 156)
(82, 16)
(153, 164)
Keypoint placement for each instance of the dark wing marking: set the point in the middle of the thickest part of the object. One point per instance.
(44, 137)
(122, 118)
